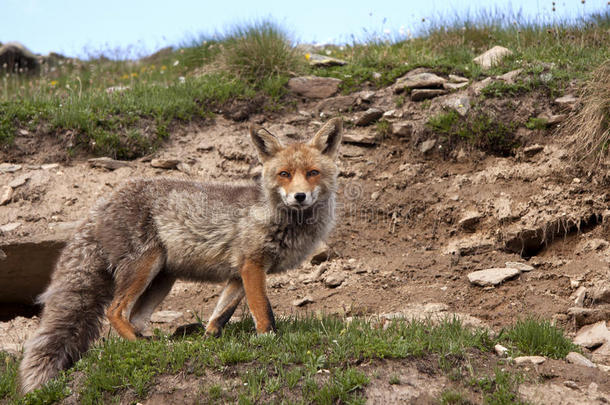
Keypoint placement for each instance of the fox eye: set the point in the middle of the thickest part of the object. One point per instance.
(312, 173)
(285, 174)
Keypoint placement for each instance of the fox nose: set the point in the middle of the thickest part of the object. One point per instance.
(300, 197)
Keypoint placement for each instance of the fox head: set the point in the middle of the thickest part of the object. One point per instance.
(300, 174)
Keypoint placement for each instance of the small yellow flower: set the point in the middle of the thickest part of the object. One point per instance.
(307, 56)
(163, 67)
(53, 83)
(134, 74)
(308, 351)
(125, 76)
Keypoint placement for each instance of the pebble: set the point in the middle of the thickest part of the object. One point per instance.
(579, 359)
(492, 277)
(165, 316)
(529, 359)
(168, 164)
(302, 301)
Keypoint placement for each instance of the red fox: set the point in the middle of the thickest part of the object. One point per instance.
(125, 257)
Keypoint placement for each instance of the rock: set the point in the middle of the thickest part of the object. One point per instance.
(500, 350)
(504, 210)
(424, 94)
(454, 86)
(165, 316)
(492, 57)
(6, 194)
(469, 246)
(17, 58)
(302, 301)
(11, 226)
(532, 150)
(107, 163)
(579, 359)
(318, 60)
(427, 146)
(375, 195)
(116, 89)
(592, 335)
(568, 101)
(49, 166)
(579, 296)
(334, 279)
(418, 81)
(555, 119)
(461, 104)
(367, 117)
(363, 138)
(9, 168)
(492, 277)
(601, 294)
(469, 221)
(586, 316)
(321, 254)
(205, 146)
(519, 266)
(365, 96)
(521, 360)
(602, 354)
(458, 79)
(168, 164)
(593, 245)
(510, 76)
(20, 181)
(337, 104)
(402, 129)
(314, 86)
(477, 87)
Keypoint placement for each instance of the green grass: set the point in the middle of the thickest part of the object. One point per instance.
(309, 360)
(478, 129)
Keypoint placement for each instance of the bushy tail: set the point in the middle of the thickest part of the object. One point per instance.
(74, 304)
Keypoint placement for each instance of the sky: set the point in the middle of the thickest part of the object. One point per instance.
(138, 27)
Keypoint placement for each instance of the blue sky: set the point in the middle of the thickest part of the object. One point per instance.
(81, 27)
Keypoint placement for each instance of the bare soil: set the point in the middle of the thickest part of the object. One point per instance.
(399, 244)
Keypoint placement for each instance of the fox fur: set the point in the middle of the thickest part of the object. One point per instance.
(125, 257)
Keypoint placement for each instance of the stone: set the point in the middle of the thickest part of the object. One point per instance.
(11, 226)
(510, 76)
(367, 117)
(492, 57)
(117, 89)
(18, 59)
(458, 79)
(601, 294)
(423, 80)
(521, 360)
(49, 166)
(469, 220)
(318, 60)
(492, 277)
(321, 254)
(555, 119)
(579, 359)
(592, 335)
(586, 316)
(362, 138)
(454, 86)
(334, 279)
(20, 181)
(504, 210)
(461, 104)
(568, 101)
(579, 296)
(427, 146)
(532, 150)
(365, 96)
(302, 301)
(168, 164)
(6, 194)
(500, 350)
(165, 316)
(469, 246)
(602, 354)
(402, 129)
(337, 104)
(314, 86)
(107, 163)
(519, 266)
(424, 94)
(477, 87)
(9, 168)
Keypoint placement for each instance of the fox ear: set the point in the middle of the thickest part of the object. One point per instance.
(266, 144)
(328, 138)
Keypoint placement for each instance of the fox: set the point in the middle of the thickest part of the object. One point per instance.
(134, 244)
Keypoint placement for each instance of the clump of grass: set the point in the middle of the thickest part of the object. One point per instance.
(501, 388)
(260, 51)
(590, 126)
(502, 89)
(532, 337)
(536, 123)
(384, 128)
(478, 129)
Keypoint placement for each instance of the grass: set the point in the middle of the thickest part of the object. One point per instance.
(532, 337)
(310, 360)
(478, 129)
(69, 100)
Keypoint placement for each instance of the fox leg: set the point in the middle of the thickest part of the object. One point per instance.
(253, 277)
(230, 298)
(150, 299)
(131, 281)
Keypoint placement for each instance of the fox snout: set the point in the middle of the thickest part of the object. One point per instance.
(299, 199)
